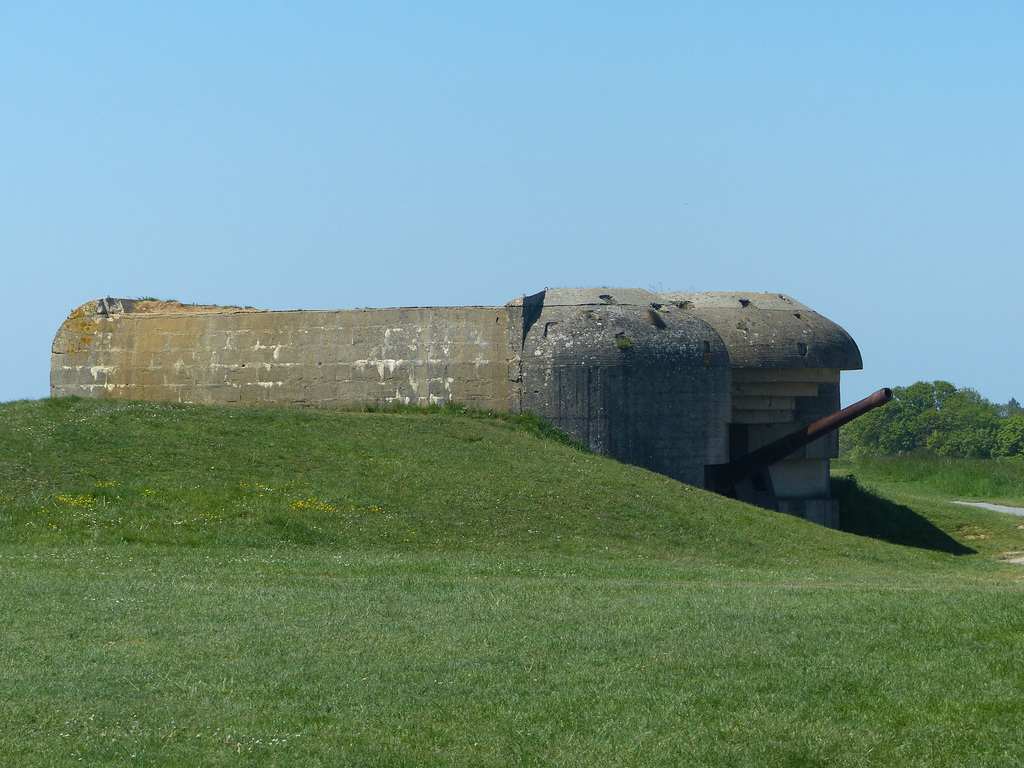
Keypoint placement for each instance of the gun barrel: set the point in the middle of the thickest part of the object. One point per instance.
(722, 478)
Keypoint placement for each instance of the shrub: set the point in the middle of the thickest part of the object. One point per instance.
(1010, 440)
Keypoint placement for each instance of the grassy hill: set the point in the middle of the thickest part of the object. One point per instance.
(194, 585)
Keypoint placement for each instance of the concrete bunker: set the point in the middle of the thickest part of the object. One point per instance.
(673, 382)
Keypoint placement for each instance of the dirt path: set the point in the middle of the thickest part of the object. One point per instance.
(993, 507)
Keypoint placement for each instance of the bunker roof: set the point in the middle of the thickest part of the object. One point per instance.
(760, 330)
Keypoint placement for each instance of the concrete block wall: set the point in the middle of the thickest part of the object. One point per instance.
(342, 358)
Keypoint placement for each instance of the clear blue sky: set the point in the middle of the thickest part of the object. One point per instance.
(865, 158)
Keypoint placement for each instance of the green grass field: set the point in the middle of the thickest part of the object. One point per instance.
(184, 585)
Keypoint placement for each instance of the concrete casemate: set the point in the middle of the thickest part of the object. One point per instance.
(668, 381)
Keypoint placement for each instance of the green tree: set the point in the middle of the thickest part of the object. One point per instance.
(934, 417)
(1012, 408)
(1010, 440)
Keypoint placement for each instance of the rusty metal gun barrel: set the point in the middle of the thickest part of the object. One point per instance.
(722, 478)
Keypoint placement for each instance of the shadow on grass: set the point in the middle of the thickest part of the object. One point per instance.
(865, 514)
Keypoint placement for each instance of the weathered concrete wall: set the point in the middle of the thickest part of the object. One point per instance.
(669, 381)
(648, 386)
(338, 359)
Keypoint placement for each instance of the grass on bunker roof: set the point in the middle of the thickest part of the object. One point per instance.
(196, 585)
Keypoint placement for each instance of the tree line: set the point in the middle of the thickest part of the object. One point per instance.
(937, 418)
